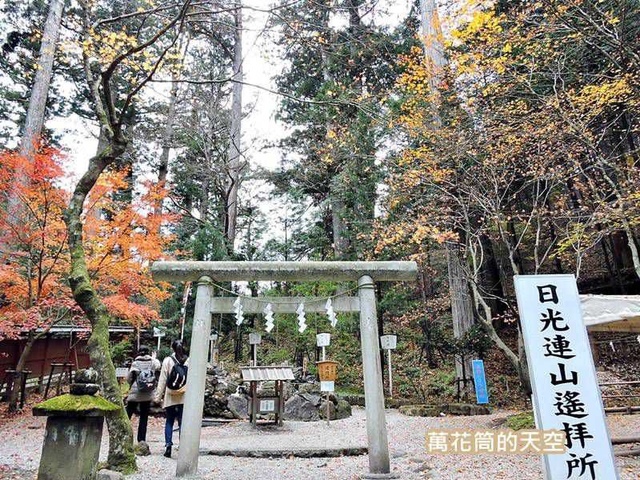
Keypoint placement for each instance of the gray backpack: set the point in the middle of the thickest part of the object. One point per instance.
(146, 380)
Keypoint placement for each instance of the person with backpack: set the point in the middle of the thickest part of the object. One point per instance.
(142, 379)
(171, 388)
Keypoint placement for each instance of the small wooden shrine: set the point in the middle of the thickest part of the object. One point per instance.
(266, 404)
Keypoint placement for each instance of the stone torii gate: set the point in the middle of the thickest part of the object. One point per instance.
(365, 273)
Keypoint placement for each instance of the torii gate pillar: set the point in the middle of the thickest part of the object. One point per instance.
(362, 272)
(373, 389)
(196, 381)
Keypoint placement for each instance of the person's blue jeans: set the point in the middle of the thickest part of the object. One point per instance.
(173, 413)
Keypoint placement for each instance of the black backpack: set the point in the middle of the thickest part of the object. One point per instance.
(177, 376)
(146, 380)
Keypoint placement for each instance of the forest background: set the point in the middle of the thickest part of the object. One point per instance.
(507, 145)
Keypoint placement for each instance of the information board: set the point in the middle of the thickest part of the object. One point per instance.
(480, 382)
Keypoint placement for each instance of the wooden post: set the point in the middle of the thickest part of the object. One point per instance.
(255, 404)
(281, 403)
(328, 412)
(390, 376)
(44, 364)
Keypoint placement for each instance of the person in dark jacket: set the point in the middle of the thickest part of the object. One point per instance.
(137, 400)
(172, 400)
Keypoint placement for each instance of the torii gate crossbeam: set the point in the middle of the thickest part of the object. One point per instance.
(365, 273)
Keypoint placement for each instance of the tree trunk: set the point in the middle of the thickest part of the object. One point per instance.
(235, 163)
(22, 361)
(423, 281)
(461, 305)
(339, 227)
(490, 277)
(523, 368)
(518, 361)
(609, 242)
(635, 256)
(121, 456)
(621, 254)
(461, 302)
(237, 346)
(38, 100)
(37, 103)
(167, 136)
(432, 38)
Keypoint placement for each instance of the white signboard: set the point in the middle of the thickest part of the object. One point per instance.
(158, 333)
(323, 339)
(327, 386)
(267, 405)
(563, 377)
(122, 372)
(388, 342)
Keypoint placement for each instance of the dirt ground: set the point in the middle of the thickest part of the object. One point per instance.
(22, 437)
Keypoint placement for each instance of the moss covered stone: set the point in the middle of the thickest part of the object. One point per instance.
(447, 408)
(75, 405)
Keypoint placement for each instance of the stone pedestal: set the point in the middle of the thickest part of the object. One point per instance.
(72, 437)
(71, 448)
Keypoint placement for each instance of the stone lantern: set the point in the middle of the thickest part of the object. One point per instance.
(74, 430)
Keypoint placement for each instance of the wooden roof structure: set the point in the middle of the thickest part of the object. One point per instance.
(266, 373)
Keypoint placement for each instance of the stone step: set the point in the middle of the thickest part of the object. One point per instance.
(285, 452)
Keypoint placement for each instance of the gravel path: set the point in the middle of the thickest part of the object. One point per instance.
(22, 442)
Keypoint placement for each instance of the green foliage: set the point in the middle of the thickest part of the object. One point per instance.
(165, 351)
(345, 349)
(474, 343)
(121, 351)
(331, 151)
(276, 356)
(396, 301)
(20, 36)
(442, 384)
(425, 385)
(520, 421)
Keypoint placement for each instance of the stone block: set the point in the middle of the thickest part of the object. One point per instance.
(464, 409)
(88, 375)
(142, 449)
(267, 389)
(322, 410)
(67, 438)
(84, 388)
(314, 399)
(215, 404)
(343, 409)
(238, 405)
(109, 475)
(309, 388)
(301, 409)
